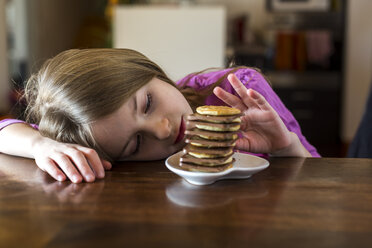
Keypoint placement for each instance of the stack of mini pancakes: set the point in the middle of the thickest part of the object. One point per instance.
(211, 134)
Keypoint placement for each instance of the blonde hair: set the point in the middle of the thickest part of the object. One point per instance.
(78, 87)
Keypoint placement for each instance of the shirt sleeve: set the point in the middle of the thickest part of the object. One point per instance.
(7, 122)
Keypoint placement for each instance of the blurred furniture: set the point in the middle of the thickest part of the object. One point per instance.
(361, 146)
(358, 64)
(4, 75)
(181, 39)
(304, 63)
(295, 202)
(298, 5)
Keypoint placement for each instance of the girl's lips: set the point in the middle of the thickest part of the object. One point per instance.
(181, 132)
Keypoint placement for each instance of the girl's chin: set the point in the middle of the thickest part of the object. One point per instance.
(177, 148)
(180, 146)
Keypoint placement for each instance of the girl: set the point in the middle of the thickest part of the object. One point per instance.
(96, 106)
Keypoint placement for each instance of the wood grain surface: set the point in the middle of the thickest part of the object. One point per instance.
(295, 202)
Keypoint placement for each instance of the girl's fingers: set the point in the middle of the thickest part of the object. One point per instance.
(243, 144)
(106, 164)
(229, 99)
(75, 162)
(94, 161)
(67, 167)
(259, 100)
(52, 169)
(81, 163)
(240, 89)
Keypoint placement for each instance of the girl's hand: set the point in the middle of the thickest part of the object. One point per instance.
(262, 129)
(61, 161)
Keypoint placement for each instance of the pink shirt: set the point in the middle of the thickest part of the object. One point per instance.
(7, 122)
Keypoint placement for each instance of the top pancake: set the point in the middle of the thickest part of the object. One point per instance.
(217, 110)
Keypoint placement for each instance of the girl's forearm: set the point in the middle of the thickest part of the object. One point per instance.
(19, 139)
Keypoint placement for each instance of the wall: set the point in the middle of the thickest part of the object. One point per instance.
(144, 28)
(254, 8)
(16, 16)
(53, 26)
(4, 78)
(358, 65)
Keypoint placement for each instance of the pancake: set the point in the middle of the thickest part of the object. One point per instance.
(217, 110)
(200, 142)
(218, 127)
(211, 135)
(216, 152)
(200, 168)
(187, 158)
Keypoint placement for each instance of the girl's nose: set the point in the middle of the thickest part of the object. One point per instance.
(161, 129)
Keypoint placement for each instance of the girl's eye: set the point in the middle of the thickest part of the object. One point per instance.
(138, 143)
(148, 102)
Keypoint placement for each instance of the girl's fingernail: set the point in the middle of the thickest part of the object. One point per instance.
(75, 178)
(90, 178)
(60, 178)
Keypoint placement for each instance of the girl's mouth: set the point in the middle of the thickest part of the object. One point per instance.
(181, 132)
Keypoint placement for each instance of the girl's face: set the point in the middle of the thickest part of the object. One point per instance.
(149, 126)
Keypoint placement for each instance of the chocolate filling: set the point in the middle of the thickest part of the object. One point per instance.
(196, 140)
(222, 151)
(212, 135)
(217, 126)
(211, 118)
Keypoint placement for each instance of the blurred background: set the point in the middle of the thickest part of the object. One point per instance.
(317, 54)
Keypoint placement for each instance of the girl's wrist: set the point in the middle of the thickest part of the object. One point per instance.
(37, 143)
(295, 149)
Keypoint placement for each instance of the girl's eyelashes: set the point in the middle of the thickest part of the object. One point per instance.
(138, 143)
(148, 102)
(147, 108)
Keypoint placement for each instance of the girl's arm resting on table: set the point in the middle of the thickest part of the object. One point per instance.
(17, 139)
(60, 160)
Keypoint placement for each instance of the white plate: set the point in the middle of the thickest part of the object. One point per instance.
(245, 165)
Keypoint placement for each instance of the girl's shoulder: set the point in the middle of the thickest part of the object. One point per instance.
(250, 77)
(6, 122)
(201, 79)
(205, 78)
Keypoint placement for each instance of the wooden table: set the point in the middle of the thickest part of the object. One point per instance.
(294, 203)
